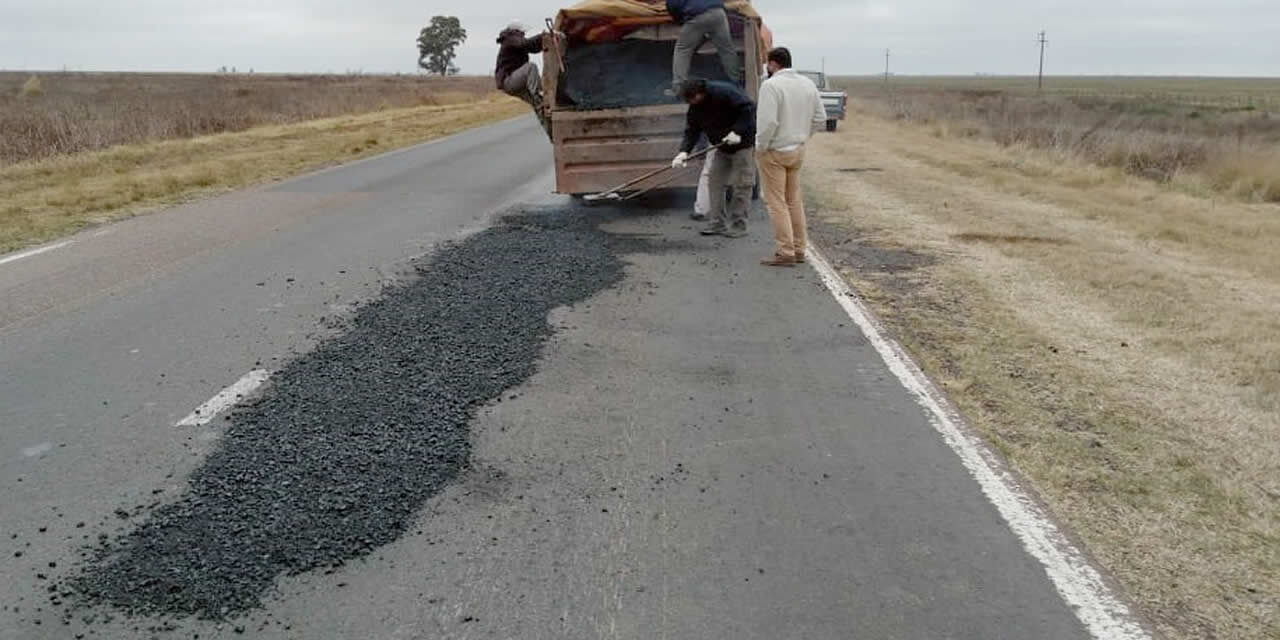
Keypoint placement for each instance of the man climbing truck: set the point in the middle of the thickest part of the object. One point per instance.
(611, 118)
(516, 75)
(701, 21)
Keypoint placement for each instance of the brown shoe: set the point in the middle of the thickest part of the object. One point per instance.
(778, 261)
(799, 259)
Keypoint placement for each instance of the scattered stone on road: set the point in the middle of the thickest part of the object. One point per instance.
(339, 452)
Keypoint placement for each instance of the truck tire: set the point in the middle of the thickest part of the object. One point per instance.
(832, 125)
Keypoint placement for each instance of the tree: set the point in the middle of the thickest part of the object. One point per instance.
(438, 44)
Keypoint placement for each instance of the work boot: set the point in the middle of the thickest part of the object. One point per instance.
(543, 113)
(735, 233)
(714, 230)
(544, 120)
(778, 261)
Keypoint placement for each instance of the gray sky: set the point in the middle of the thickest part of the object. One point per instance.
(1173, 37)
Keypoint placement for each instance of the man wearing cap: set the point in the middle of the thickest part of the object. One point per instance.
(517, 76)
(790, 109)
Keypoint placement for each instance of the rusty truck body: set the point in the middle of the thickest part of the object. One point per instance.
(598, 147)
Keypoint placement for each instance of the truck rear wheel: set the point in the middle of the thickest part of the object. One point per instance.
(832, 125)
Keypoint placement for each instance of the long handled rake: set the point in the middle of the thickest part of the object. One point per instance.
(615, 194)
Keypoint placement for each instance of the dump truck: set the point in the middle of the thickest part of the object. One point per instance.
(607, 84)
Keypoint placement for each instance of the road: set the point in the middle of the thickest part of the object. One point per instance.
(706, 449)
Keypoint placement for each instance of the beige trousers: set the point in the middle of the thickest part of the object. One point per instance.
(780, 182)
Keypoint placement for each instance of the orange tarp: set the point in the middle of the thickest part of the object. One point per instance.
(608, 20)
(655, 11)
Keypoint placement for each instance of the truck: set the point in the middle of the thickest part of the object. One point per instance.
(835, 101)
(607, 85)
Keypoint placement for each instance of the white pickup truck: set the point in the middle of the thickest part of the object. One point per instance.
(836, 102)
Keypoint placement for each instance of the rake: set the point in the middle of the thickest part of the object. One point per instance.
(615, 194)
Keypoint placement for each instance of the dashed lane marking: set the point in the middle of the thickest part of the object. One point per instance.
(225, 399)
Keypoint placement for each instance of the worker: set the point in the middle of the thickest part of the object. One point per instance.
(790, 109)
(517, 76)
(702, 20)
(702, 199)
(727, 116)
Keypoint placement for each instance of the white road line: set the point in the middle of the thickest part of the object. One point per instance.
(1104, 615)
(225, 399)
(35, 252)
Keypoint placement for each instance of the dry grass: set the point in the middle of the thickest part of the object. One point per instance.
(1117, 338)
(43, 199)
(1224, 143)
(1226, 93)
(60, 113)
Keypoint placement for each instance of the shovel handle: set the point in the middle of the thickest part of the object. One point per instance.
(555, 43)
(658, 171)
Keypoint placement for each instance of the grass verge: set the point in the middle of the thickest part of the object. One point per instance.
(48, 198)
(1117, 339)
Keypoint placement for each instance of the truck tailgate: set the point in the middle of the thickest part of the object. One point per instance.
(601, 149)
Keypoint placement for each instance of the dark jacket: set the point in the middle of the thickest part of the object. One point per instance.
(725, 109)
(684, 10)
(514, 53)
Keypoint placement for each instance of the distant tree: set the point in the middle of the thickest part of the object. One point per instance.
(438, 43)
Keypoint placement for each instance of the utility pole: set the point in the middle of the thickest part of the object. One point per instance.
(1040, 80)
(886, 66)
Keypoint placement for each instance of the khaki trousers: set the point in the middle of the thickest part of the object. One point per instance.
(780, 182)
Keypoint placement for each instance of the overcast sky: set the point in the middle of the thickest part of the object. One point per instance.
(1173, 37)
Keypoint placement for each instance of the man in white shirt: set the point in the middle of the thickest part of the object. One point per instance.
(789, 110)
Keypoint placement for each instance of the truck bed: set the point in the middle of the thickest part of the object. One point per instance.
(601, 148)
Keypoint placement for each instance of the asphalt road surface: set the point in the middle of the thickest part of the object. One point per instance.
(699, 447)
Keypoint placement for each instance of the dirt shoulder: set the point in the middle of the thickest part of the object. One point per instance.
(46, 199)
(1117, 340)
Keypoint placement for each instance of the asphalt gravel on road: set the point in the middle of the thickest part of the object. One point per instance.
(339, 452)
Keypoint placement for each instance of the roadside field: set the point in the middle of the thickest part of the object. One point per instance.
(1221, 92)
(1115, 336)
(45, 114)
(81, 149)
(1202, 135)
(44, 199)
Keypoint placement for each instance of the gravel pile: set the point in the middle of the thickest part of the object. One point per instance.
(340, 451)
(593, 81)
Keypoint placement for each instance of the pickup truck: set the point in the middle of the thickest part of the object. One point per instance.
(836, 102)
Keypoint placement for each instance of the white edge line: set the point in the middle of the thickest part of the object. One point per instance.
(1105, 616)
(225, 399)
(35, 252)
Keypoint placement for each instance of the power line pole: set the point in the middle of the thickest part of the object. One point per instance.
(1040, 81)
(886, 66)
